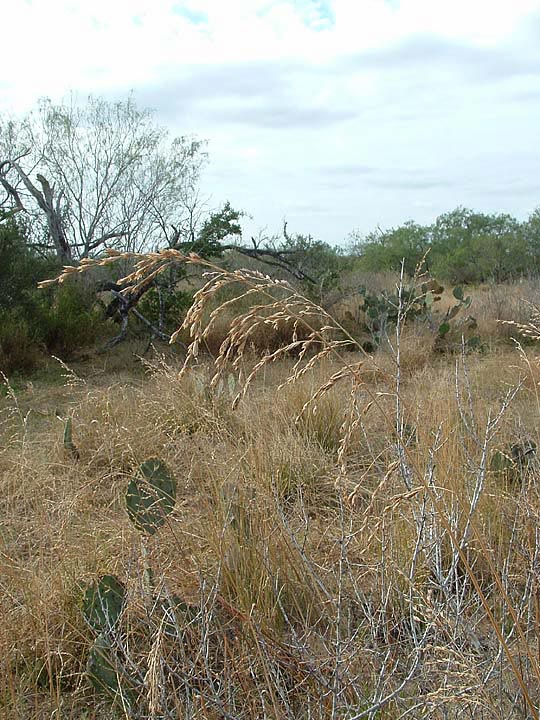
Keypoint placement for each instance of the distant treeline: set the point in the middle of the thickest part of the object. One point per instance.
(462, 246)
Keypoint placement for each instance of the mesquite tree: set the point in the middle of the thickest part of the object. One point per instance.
(96, 175)
(86, 177)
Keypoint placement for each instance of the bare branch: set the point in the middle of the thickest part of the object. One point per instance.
(275, 258)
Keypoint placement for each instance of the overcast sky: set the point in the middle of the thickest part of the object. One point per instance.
(333, 114)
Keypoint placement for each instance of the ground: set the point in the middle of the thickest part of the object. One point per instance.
(342, 546)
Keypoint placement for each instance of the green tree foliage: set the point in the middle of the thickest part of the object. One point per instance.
(474, 247)
(221, 225)
(531, 234)
(462, 246)
(165, 304)
(57, 321)
(385, 250)
(318, 261)
(20, 268)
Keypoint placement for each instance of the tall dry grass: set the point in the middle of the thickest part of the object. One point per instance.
(343, 544)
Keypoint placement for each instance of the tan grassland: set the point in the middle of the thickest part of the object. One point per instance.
(343, 541)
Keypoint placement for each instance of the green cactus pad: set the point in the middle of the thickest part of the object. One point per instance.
(444, 328)
(151, 496)
(68, 438)
(177, 614)
(103, 602)
(106, 675)
(101, 665)
(474, 343)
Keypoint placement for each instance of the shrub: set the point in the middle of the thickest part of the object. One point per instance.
(168, 306)
(33, 321)
(68, 319)
(18, 350)
(20, 268)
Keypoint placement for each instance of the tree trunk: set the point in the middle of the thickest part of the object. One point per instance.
(52, 210)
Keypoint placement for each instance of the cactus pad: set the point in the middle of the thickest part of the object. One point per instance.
(103, 602)
(106, 674)
(68, 438)
(151, 496)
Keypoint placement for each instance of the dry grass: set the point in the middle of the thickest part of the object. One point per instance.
(495, 305)
(344, 546)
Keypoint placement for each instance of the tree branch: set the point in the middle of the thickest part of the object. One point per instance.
(11, 191)
(124, 303)
(117, 338)
(275, 258)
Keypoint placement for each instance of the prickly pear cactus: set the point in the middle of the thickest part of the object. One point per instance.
(106, 674)
(101, 665)
(174, 614)
(103, 602)
(102, 605)
(515, 461)
(151, 496)
(386, 307)
(68, 438)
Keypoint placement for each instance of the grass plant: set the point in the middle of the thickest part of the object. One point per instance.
(342, 545)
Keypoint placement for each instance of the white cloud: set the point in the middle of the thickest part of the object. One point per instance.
(439, 97)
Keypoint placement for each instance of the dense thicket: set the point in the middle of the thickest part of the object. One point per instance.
(462, 246)
(36, 322)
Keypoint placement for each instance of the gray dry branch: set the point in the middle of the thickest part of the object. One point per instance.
(98, 175)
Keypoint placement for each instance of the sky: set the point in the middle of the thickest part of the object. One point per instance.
(334, 115)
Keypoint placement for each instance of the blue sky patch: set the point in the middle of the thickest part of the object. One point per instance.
(325, 11)
(193, 16)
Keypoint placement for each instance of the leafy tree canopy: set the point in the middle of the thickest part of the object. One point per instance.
(461, 246)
